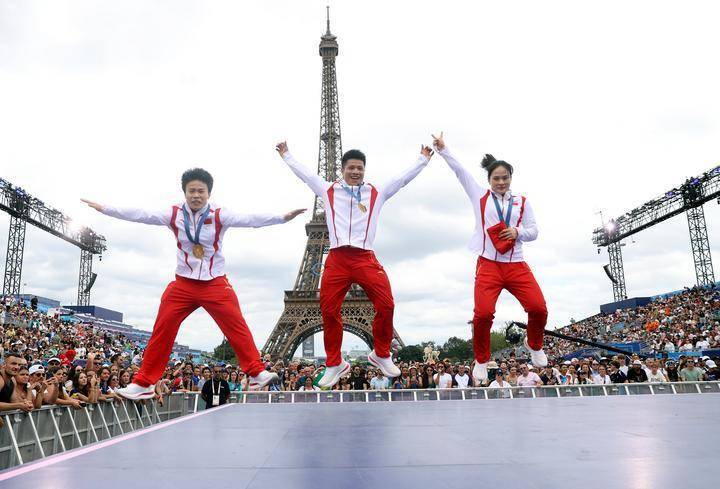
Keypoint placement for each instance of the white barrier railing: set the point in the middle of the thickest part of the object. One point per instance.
(475, 393)
(54, 429)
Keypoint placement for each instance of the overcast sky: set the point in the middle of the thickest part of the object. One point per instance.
(599, 106)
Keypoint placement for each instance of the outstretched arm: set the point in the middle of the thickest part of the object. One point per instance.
(312, 179)
(232, 219)
(468, 182)
(157, 218)
(391, 188)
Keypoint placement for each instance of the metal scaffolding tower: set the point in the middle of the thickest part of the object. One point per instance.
(14, 258)
(23, 209)
(688, 197)
(617, 271)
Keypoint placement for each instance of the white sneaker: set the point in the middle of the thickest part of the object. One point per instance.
(539, 359)
(389, 369)
(332, 375)
(136, 392)
(480, 372)
(263, 378)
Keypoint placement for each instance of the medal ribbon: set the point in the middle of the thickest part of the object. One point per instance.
(499, 211)
(352, 193)
(198, 227)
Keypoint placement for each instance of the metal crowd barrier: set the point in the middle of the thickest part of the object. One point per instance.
(55, 429)
(51, 430)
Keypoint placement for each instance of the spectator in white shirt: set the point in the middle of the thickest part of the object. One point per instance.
(462, 379)
(443, 380)
(655, 375)
(379, 382)
(500, 383)
(528, 378)
(623, 367)
(601, 377)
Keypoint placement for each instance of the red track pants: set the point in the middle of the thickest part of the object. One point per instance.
(490, 278)
(181, 298)
(343, 267)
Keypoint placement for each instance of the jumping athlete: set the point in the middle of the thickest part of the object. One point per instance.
(200, 279)
(352, 210)
(503, 222)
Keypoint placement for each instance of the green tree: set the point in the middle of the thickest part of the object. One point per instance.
(225, 353)
(498, 341)
(457, 349)
(411, 353)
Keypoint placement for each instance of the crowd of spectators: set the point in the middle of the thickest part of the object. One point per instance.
(684, 322)
(48, 360)
(51, 361)
(507, 372)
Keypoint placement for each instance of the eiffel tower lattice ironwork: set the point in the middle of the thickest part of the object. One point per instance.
(301, 317)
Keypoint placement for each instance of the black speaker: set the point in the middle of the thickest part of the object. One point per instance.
(609, 274)
(90, 284)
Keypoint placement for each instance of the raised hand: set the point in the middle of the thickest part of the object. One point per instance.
(438, 142)
(92, 204)
(426, 151)
(281, 148)
(292, 214)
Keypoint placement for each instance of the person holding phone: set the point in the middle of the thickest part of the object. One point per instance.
(24, 395)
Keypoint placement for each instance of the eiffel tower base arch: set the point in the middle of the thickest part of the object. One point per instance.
(302, 319)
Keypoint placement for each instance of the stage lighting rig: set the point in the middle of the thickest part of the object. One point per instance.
(24, 208)
(688, 198)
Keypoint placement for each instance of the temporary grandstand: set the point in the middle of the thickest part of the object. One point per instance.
(99, 317)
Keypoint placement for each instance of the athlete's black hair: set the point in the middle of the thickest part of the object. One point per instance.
(197, 174)
(489, 163)
(353, 154)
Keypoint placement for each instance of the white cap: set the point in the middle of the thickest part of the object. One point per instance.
(637, 362)
(37, 369)
(710, 363)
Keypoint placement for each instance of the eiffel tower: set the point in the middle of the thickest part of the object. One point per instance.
(301, 317)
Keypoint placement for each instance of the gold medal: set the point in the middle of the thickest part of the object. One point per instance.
(362, 207)
(198, 251)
